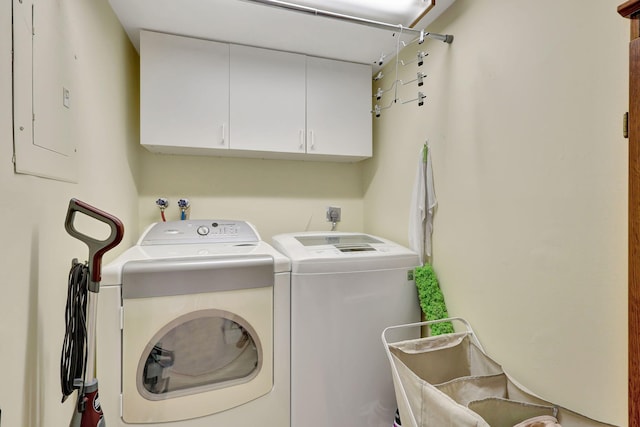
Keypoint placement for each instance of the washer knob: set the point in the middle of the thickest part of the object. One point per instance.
(203, 230)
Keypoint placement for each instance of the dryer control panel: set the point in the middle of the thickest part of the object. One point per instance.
(199, 231)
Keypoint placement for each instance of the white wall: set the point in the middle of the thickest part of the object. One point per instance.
(36, 252)
(523, 115)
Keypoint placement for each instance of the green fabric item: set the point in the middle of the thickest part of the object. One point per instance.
(432, 299)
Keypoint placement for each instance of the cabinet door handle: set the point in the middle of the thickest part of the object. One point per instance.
(222, 141)
(301, 135)
(312, 139)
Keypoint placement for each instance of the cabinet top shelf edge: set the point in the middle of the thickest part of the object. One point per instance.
(629, 8)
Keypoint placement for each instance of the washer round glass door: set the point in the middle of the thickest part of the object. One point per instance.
(197, 337)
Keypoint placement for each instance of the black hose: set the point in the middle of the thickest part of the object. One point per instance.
(74, 357)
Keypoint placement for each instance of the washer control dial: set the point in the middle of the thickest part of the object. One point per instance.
(203, 230)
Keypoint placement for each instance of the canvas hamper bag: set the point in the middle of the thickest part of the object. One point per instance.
(448, 380)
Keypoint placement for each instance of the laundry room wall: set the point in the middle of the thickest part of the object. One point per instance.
(523, 116)
(36, 251)
(277, 196)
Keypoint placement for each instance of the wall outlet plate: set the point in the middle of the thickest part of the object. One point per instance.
(334, 214)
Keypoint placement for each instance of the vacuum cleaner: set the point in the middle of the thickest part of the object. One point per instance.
(77, 361)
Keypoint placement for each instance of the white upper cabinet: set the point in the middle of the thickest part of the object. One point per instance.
(184, 93)
(267, 100)
(338, 108)
(204, 97)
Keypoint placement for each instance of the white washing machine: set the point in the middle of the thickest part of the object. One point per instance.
(345, 289)
(193, 329)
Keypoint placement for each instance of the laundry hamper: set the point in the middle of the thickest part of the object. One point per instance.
(449, 381)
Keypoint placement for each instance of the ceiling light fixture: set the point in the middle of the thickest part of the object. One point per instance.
(403, 12)
(342, 6)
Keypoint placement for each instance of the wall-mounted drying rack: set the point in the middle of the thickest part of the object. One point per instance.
(419, 60)
(421, 36)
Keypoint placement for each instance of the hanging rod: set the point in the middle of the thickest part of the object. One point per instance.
(362, 21)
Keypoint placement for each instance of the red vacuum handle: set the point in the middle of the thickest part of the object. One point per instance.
(97, 248)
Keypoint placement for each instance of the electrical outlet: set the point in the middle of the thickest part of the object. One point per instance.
(333, 214)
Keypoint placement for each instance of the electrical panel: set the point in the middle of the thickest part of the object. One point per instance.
(45, 116)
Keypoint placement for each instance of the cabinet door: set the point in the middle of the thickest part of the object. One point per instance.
(338, 108)
(267, 107)
(184, 92)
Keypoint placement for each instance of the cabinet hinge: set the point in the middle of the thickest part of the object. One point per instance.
(625, 125)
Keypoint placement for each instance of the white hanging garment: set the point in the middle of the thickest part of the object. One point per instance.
(421, 210)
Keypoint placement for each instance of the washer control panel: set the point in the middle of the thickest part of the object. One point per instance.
(199, 231)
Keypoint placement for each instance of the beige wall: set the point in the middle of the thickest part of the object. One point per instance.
(523, 115)
(277, 196)
(36, 252)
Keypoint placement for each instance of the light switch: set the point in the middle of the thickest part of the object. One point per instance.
(66, 97)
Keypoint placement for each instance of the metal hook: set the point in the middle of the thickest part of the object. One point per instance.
(420, 99)
(381, 59)
(419, 40)
(419, 79)
(419, 59)
(378, 109)
(381, 91)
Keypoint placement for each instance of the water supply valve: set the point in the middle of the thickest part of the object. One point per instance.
(184, 206)
(162, 203)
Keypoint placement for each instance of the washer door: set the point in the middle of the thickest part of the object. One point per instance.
(195, 354)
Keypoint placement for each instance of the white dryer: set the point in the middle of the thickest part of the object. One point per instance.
(345, 289)
(193, 329)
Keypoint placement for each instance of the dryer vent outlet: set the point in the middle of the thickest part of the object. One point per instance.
(333, 214)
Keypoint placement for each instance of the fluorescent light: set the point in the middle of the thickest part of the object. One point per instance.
(401, 12)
